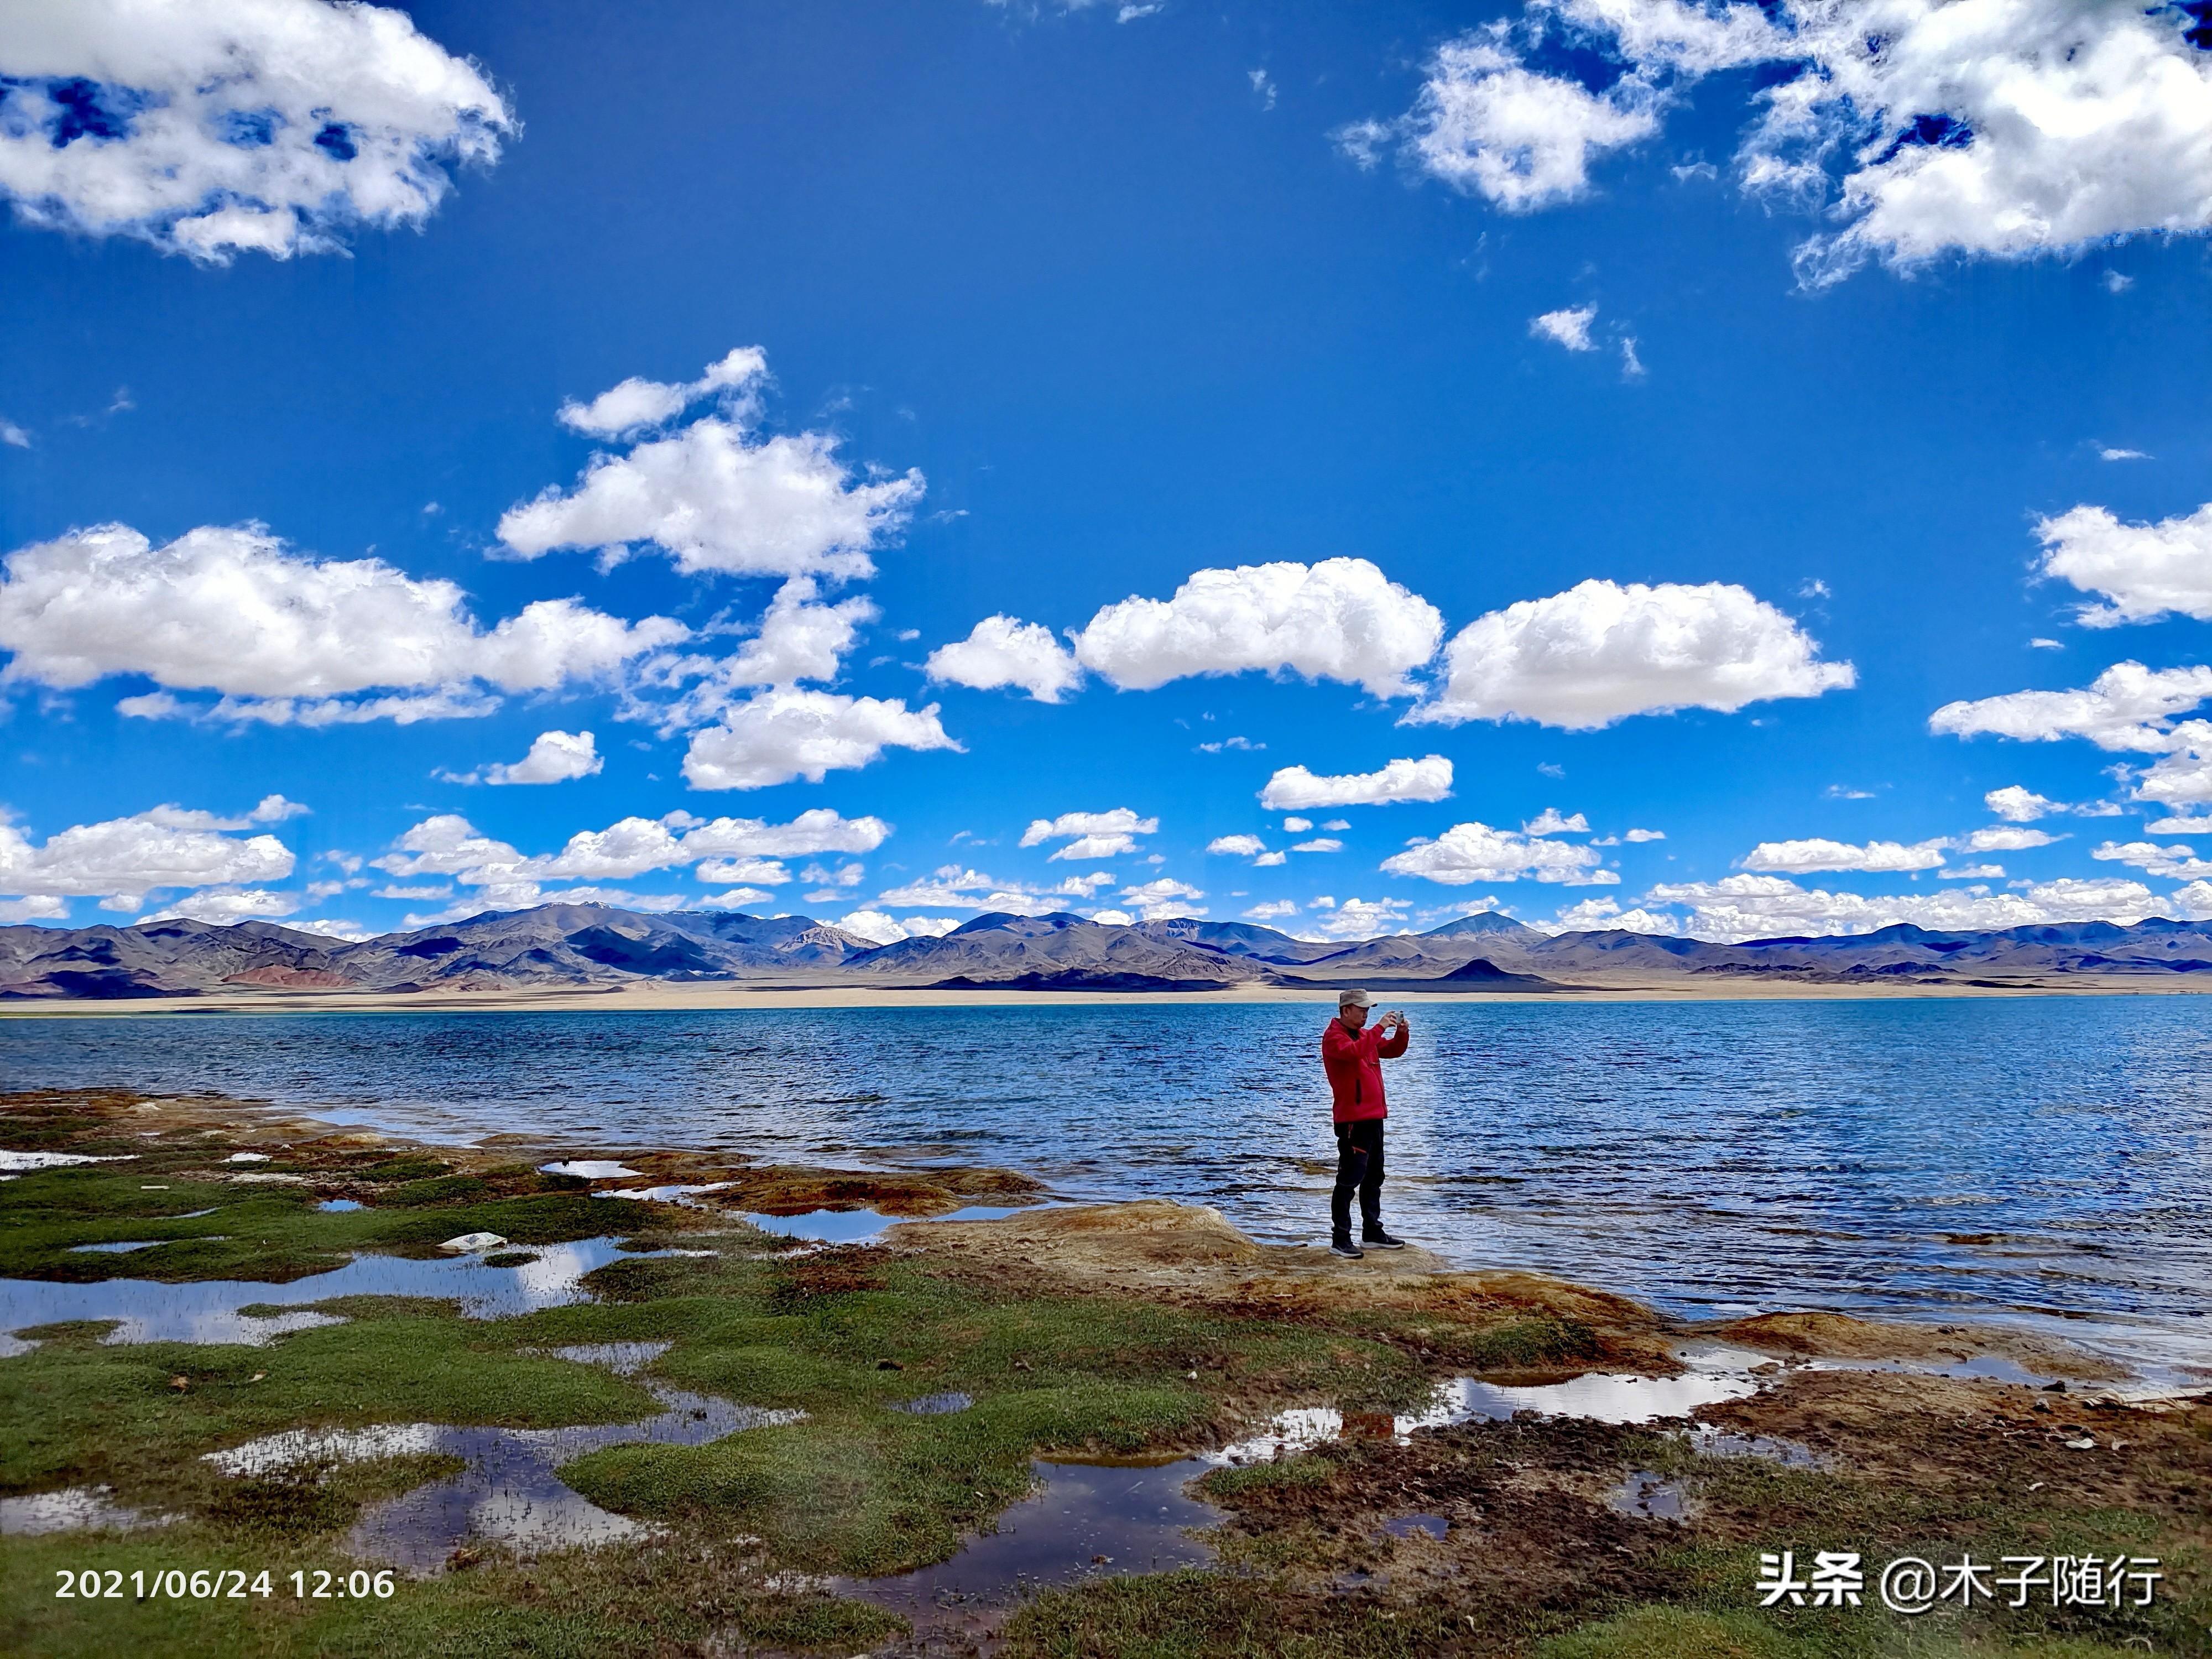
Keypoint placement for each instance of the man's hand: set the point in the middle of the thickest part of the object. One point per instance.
(1394, 1018)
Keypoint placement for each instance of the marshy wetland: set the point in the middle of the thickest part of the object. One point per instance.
(675, 1425)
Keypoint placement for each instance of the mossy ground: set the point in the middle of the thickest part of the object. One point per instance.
(1535, 1563)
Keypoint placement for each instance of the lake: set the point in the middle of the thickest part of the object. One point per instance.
(2047, 1160)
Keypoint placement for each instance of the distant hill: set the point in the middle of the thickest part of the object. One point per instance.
(553, 945)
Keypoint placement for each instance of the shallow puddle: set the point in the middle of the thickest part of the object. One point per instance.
(1409, 1525)
(1090, 1520)
(1598, 1397)
(857, 1226)
(334, 1206)
(133, 1244)
(1709, 1441)
(1644, 1495)
(936, 1405)
(510, 1493)
(209, 1311)
(19, 1163)
(78, 1508)
(590, 1169)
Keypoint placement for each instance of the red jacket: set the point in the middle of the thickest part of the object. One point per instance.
(1354, 1061)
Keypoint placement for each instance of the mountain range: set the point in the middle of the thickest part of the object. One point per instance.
(555, 946)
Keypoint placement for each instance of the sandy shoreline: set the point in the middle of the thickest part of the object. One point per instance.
(697, 998)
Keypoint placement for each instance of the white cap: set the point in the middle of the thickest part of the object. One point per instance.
(1354, 999)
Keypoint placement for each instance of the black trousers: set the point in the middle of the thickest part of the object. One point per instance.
(1359, 1168)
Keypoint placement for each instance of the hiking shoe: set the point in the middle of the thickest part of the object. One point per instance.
(1379, 1240)
(1347, 1249)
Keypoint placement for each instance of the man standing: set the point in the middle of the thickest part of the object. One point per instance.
(1352, 1057)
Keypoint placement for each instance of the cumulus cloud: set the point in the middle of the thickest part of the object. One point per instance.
(1488, 127)
(122, 860)
(1602, 652)
(1550, 821)
(553, 757)
(952, 887)
(1091, 835)
(796, 639)
(724, 850)
(1002, 651)
(716, 496)
(1340, 619)
(1644, 835)
(230, 904)
(878, 928)
(2002, 128)
(2142, 571)
(1358, 918)
(2173, 863)
(1571, 328)
(268, 125)
(1747, 907)
(1243, 846)
(1294, 787)
(2004, 838)
(637, 403)
(2128, 707)
(1799, 856)
(284, 636)
(1471, 851)
(2017, 804)
(787, 733)
(1163, 900)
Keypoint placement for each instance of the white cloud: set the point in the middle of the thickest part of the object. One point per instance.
(1321, 844)
(2173, 863)
(1799, 856)
(1295, 826)
(1571, 328)
(880, 929)
(2004, 838)
(1427, 779)
(2191, 903)
(637, 403)
(13, 435)
(232, 611)
(2004, 128)
(553, 757)
(715, 498)
(2103, 454)
(230, 904)
(1469, 853)
(2128, 707)
(953, 888)
(1972, 872)
(268, 125)
(2017, 804)
(1358, 918)
(796, 639)
(819, 829)
(715, 872)
(1747, 907)
(125, 859)
(1243, 846)
(1644, 835)
(786, 734)
(1550, 822)
(737, 898)
(1340, 619)
(2143, 571)
(1090, 836)
(1272, 910)
(1488, 127)
(271, 809)
(1161, 900)
(1602, 652)
(1006, 650)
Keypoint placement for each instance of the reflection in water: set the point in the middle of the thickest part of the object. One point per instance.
(509, 1493)
(78, 1509)
(1644, 1495)
(1090, 1519)
(209, 1310)
(857, 1226)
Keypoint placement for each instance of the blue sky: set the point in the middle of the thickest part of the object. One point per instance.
(1544, 391)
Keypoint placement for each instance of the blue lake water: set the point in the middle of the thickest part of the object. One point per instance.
(2043, 1159)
